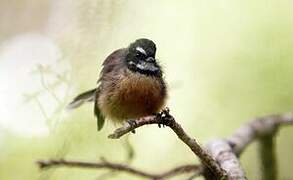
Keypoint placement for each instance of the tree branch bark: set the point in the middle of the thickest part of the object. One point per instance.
(257, 128)
(221, 157)
(224, 155)
(262, 129)
(122, 168)
(166, 119)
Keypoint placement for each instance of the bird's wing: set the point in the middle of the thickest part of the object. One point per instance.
(113, 63)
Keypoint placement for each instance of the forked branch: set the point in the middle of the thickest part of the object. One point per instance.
(166, 119)
(221, 157)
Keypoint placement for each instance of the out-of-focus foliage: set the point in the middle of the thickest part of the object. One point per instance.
(225, 62)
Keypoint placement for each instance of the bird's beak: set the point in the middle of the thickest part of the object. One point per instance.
(148, 65)
(150, 59)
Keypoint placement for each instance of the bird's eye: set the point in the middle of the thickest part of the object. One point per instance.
(139, 54)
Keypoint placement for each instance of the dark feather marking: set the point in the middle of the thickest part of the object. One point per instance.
(87, 96)
(100, 117)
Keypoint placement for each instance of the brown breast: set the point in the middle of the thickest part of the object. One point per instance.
(131, 95)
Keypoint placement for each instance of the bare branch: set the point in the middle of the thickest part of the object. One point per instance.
(195, 169)
(257, 128)
(166, 119)
(121, 167)
(127, 127)
(260, 128)
(219, 162)
(224, 155)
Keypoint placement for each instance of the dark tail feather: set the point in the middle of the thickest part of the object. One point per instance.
(87, 96)
(100, 117)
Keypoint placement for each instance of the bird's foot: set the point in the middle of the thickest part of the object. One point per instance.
(164, 117)
(132, 123)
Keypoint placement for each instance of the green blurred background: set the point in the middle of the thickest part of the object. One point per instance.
(225, 62)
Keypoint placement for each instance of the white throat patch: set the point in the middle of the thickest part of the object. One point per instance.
(140, 49)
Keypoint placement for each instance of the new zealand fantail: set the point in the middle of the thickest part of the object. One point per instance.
(130, 85)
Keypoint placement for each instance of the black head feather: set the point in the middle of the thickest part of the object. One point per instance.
(141, 57)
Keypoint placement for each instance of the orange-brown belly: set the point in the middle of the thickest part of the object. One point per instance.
(133, 97)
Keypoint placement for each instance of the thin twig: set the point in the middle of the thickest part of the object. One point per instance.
(166, 119)
(224, 153)
(46, 87)
(127, 127)
(193, 176)
(43, 111)
(195, 169)
(120, 167)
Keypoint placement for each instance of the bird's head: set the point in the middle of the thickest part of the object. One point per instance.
(141, 57)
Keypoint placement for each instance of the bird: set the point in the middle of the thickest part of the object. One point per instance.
(131, 85)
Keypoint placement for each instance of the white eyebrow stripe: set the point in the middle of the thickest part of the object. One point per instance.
(140, 49)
